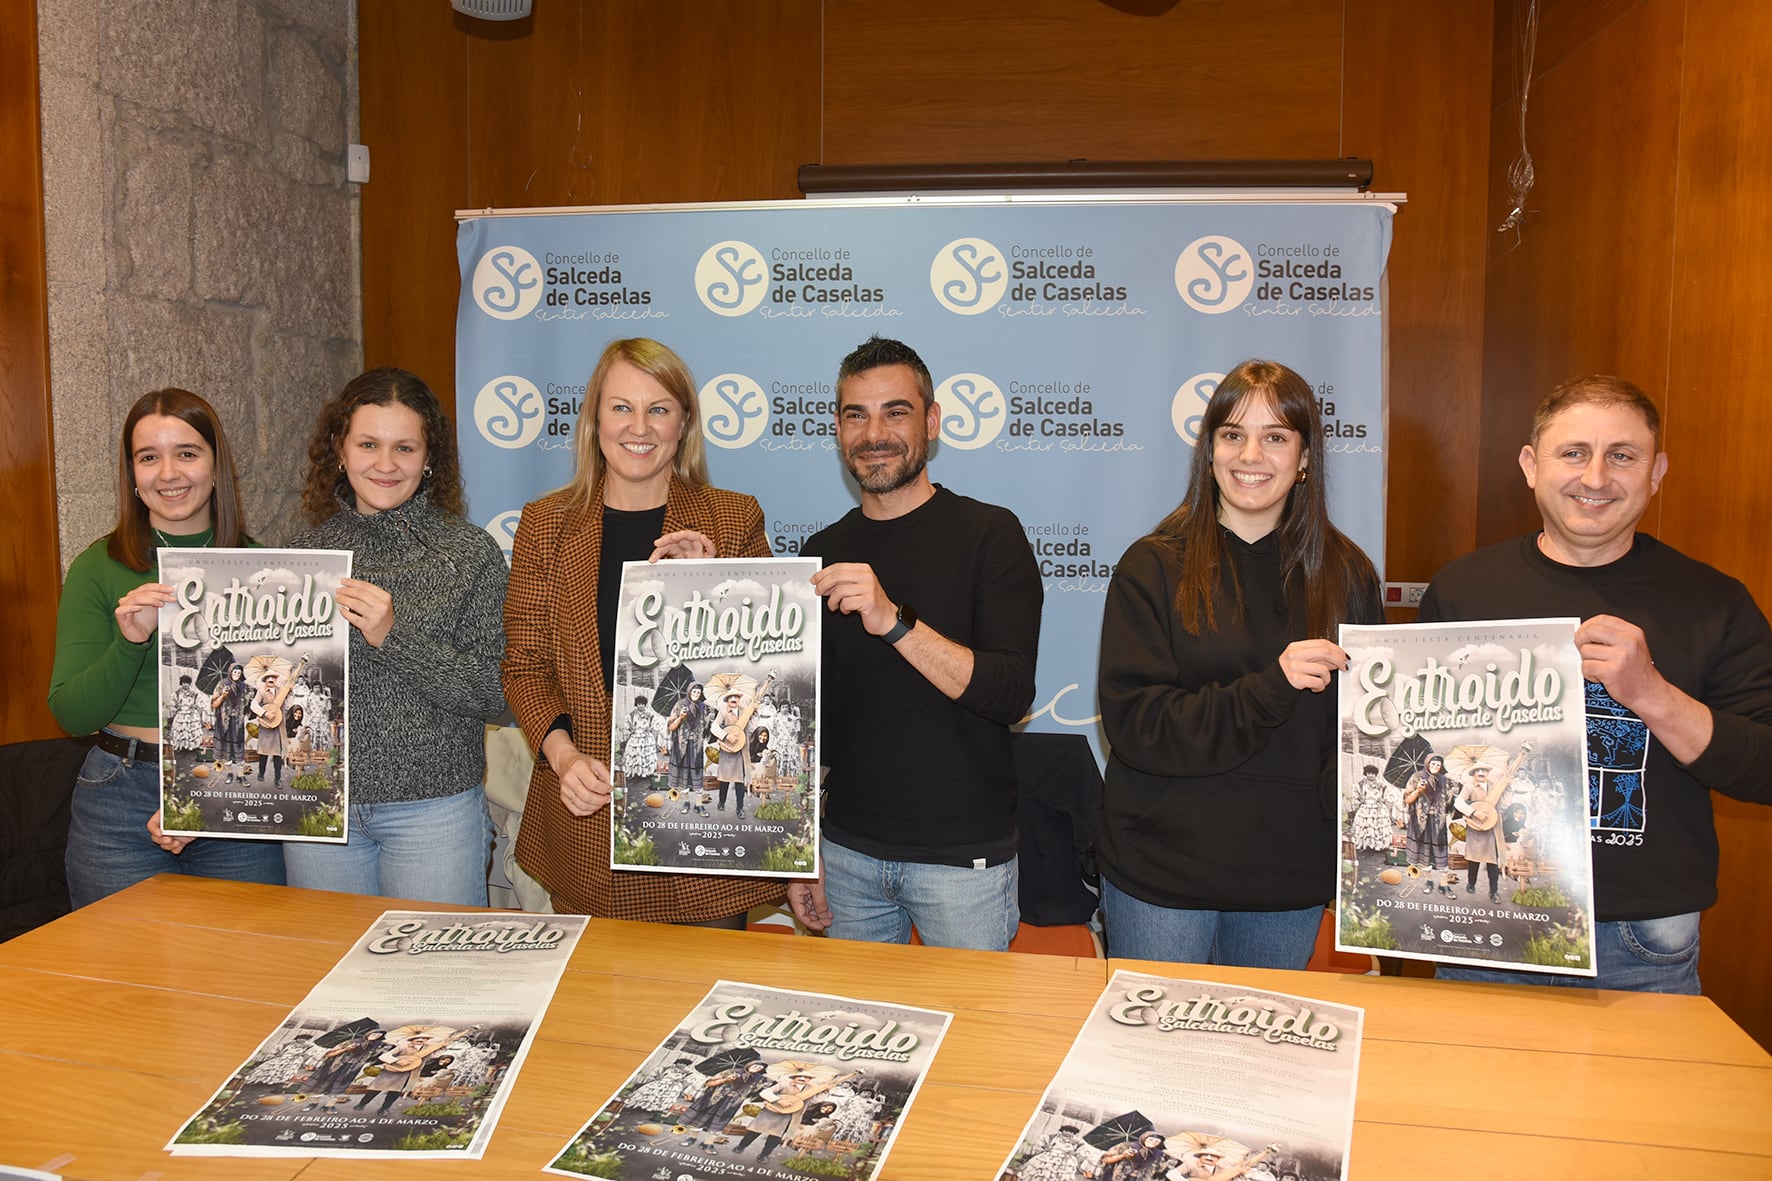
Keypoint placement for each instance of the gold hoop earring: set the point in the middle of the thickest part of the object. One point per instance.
(1303, 475)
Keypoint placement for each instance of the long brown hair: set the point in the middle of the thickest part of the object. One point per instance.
(327, 487)
(662, 365)
(1316, 558)
(132, 541)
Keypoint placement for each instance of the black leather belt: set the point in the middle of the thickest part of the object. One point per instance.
(127, 748)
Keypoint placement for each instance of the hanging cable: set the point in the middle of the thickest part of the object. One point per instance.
(1520, 176)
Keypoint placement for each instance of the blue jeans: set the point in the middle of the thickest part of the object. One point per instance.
(952, 906)
(1142, 930)
(108, 845)
(1643, 955)
(425, 850)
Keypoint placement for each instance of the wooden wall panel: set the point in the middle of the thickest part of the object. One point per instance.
(1416, 104)
(413, 116)
(1563, 26)
(1717, 501)
(1584, 287)
(1717, 416)
(1000, 80)
(615, 102)
(30, 581)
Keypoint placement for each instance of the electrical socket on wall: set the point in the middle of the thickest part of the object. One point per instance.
(1404, 594)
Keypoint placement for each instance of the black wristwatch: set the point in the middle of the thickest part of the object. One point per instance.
(901, 627)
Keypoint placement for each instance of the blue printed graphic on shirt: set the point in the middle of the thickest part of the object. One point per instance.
(1617, 752)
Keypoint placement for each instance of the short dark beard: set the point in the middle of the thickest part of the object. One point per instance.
(888, 483)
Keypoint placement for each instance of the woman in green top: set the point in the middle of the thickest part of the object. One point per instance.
(175, 488)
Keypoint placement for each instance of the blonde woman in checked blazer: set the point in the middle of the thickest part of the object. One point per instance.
(640, 492)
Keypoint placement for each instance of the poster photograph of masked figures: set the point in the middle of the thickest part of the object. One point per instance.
(1464, 795)
(760, 1082)
(253, 688)
(1175, 1079)
(407, 1049)
(716, 718)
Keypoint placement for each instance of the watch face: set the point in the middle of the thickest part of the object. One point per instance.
(901, 627)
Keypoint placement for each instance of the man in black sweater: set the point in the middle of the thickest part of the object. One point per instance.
(928, 660)
(1678, 661)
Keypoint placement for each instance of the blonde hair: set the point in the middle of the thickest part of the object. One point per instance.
(658, 362)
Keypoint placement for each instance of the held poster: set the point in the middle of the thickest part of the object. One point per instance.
(715, 735)
(253, 684)
(764, 1083)
(406, 1050)
(1188, 1078)
(1463, 772)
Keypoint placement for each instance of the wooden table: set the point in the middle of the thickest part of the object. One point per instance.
(118, 1022)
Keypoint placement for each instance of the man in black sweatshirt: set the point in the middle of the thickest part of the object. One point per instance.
(928, 660)
(1678, 661)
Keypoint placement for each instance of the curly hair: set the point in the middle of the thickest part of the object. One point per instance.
(326, 486)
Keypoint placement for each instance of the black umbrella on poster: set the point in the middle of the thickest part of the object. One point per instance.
(1118, 1132)
(339, 1035)
(672, 688)
(1410, 756)
(731, 1059)
(215, 667)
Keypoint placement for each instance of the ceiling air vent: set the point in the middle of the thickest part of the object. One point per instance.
(492, 10)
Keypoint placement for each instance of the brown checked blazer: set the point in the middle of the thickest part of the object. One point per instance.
(553, 666)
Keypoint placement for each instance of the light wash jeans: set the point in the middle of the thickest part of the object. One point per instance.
(108, 845)
(1141, 930)
(952, 906)
(425, 850)
(1643, 955)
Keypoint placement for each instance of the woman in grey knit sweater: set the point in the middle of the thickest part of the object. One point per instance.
(426, 610)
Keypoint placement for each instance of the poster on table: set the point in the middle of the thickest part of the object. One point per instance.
(1073, 343)
(1188, 1078)
(716, 701)
(1463, 783)
(407, 1049)
(254, 677)
(761, 1082)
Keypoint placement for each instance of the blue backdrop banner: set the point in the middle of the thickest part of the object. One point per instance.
(1073, 344)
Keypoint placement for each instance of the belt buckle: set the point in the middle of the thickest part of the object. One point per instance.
(126, 748)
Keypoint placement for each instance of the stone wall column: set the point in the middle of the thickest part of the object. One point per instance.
(200, 232)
